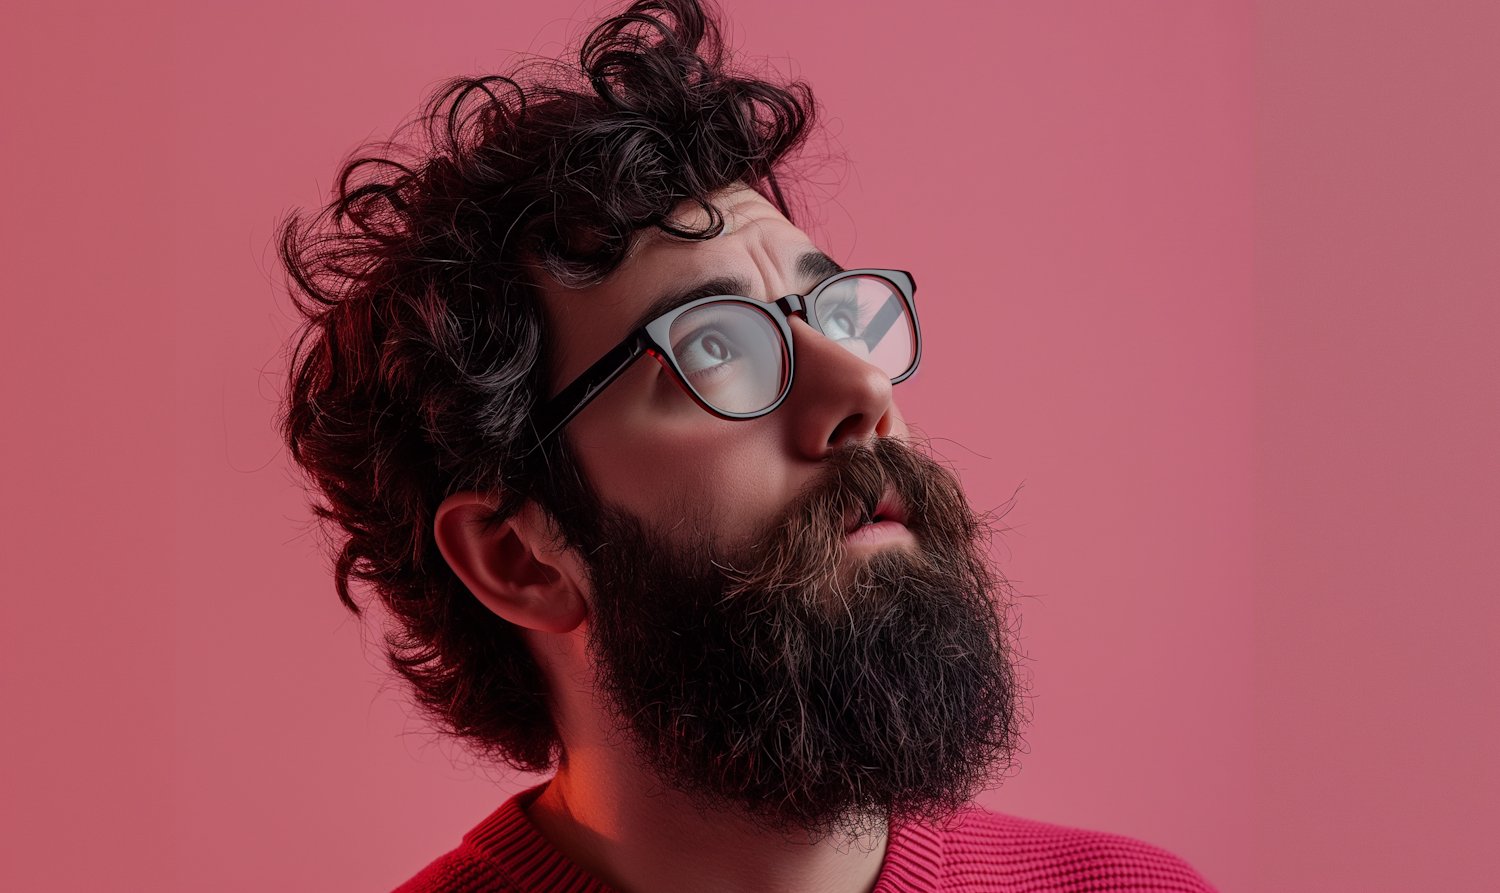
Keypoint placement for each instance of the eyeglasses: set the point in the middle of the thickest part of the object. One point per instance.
(733, 355)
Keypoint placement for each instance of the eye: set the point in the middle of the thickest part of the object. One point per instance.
(730, 354)
(714, 346)
(704, 349)
(839, 318)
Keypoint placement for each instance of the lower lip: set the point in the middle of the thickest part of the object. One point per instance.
(878, 535)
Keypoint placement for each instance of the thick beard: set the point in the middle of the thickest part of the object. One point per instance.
(798, 687)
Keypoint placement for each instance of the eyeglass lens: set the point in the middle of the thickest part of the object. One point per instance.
(866, 316)
(731, 353)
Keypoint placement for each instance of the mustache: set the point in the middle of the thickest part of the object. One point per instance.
(804, 547)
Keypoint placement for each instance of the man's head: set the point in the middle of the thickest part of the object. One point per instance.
(791, 615)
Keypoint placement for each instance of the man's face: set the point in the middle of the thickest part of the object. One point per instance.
(647, 448)
(763, 645)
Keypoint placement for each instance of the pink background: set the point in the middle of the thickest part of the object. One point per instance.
(1216, 282)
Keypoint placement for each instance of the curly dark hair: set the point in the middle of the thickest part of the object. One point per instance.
(424, 348)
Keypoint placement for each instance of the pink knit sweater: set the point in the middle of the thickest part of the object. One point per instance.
(978, 853)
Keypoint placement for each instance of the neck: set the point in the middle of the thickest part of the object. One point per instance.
(615, 823)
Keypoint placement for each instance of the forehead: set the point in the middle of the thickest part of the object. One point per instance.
(759, 247)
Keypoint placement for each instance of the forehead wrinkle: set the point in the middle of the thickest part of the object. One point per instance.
(765, 268)
(734, 218)
(773, 265)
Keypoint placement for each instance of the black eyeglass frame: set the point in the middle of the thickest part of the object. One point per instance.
(654, 339)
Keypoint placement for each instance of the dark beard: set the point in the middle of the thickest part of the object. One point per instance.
(803, 690)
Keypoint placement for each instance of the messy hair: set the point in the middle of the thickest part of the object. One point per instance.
(423, 354)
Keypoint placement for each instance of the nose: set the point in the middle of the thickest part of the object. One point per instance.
(837, 398)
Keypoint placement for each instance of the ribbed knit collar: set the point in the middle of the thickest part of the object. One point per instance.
(516, 847)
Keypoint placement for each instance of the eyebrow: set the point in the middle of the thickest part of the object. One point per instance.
(814, 266)
(720, 285)
(817, 266)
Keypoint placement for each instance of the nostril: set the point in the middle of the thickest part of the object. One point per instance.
(847, 430)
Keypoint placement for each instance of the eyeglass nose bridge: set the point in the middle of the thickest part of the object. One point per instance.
(792, 305)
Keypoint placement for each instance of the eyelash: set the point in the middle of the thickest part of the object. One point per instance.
(853, 306)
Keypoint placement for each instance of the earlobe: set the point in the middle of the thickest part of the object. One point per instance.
(514, 567)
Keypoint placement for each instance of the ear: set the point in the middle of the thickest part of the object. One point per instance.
(515, 568)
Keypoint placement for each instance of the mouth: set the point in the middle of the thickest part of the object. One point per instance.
(886, 526)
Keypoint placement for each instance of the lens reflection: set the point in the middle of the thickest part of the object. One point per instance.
(731, 355)
(866, 316)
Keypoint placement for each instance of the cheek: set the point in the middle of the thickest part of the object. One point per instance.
(690, 469)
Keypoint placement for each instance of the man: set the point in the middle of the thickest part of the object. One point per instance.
(615, 446)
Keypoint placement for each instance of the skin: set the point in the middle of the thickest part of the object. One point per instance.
(647, 447)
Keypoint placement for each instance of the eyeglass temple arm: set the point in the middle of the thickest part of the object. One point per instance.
(572, 399)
